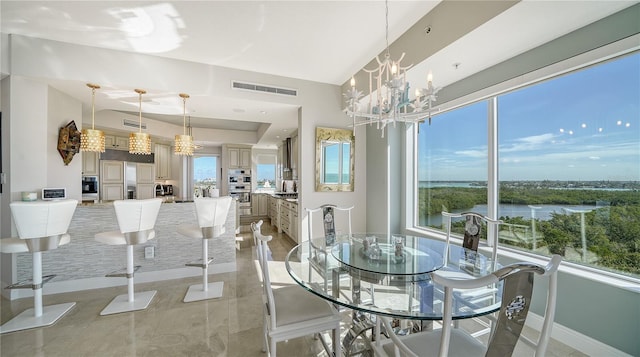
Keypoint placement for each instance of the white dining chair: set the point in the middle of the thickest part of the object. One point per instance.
(517, 290)
(291, 311)
(326, 222)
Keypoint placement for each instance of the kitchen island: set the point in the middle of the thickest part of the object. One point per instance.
(83, 263)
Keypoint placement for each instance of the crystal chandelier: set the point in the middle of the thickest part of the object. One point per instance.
(92, 139)
(140, 143)
(389, 101)
(184, 143)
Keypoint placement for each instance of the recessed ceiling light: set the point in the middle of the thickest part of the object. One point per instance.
(263, 112)
(277, 136)
(238, 110)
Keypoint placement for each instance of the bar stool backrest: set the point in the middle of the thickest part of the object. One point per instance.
(42, 219)
(137, 215)
(212, 211)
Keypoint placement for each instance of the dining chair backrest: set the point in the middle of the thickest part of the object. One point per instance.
(262, 249)
(517, 290)
(476, 227)
(255, 228)
(516, 300)
(328, 221)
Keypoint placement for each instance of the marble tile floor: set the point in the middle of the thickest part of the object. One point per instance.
(228, 326)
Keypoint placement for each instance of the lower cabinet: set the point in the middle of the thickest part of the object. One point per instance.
(260, 204)
(289, 219)
(112, 191)
(145, 191)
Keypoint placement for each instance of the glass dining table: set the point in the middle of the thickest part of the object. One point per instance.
(389, 274)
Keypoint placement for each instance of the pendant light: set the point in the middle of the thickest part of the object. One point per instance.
(184, 143)
(140, 143)
(92, 139)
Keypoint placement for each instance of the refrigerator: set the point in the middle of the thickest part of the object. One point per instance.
(130, 180)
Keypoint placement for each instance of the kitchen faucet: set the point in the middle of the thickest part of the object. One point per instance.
(161, 190)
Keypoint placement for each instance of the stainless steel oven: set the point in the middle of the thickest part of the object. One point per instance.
(244, 201)
(90, 188)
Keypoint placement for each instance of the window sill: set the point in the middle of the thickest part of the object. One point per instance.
(612, 279)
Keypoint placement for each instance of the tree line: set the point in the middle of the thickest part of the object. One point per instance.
(612, 231)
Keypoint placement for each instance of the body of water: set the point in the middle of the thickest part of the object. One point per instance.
(543, 213)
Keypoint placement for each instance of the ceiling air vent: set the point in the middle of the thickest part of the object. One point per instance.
(264, 88)
(133, 124)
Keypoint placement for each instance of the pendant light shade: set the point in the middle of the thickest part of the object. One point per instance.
(184, 143)
(140, 143)
(92, 139)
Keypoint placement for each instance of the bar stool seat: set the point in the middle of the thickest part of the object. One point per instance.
(136, 220)
(41, 226)
(211, 213)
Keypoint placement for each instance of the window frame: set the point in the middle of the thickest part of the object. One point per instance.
(597, 56)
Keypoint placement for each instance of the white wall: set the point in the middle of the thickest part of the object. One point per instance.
(61, 110)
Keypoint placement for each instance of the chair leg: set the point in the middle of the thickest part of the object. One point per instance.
(129, 301)
(38, 316)
(272, 348)
(337, 345)
(203, 291)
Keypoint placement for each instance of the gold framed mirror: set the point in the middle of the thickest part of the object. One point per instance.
(335, 165)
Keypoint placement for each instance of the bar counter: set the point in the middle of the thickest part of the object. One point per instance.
(83, 263)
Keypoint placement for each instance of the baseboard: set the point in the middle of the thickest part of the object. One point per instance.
(104, 282)
(574, 339)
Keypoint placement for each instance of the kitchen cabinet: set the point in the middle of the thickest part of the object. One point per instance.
(145, 191)
(239, 158)
(274, 212)
(145, 181)
(289, 219)
(112, 191)
(112, 172)
(112, 180)
(162, 159)
(145, 173)
(260, 204)
(90, 163)
(116, 142)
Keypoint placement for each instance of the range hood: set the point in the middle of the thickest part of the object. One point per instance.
(121, 155)
(286, 159)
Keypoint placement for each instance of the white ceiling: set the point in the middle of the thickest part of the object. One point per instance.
(321, 41)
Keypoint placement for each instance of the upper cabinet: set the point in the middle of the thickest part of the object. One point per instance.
(163, 161)
(239, 158)
(90, 163)
(116, 142)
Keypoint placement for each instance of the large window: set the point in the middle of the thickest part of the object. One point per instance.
(568, 164)
(266, 177)
(204, 175)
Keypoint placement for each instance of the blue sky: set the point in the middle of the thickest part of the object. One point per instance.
(581, 126)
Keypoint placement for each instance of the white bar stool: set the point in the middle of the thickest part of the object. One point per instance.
(211, 213)
(136, 220)
(41, 226)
